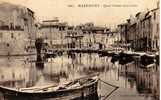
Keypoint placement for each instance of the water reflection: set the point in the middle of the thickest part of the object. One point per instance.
(32, 71)
(39, 62)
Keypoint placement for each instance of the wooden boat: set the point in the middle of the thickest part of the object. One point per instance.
(50, 53)
(147, 59)
(80, 89)
(148, 66)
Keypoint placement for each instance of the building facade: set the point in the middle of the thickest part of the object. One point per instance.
(123, 32)
(156, 28)
(113, 39)
(74, 37)
(54, 33)
(17, 30)
(142, 31)
(95, 37)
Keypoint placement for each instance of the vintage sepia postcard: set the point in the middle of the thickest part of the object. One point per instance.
(79, 49)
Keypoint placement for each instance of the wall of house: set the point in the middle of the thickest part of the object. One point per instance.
(142, 31)
(13, 42)
(54, 36)
(155, 29)
(17, 29)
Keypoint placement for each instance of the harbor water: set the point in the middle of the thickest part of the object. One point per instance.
(133, 81)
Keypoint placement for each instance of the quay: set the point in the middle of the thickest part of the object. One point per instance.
(123, 57)
(105, 52)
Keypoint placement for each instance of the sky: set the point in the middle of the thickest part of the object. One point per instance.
(105, 16)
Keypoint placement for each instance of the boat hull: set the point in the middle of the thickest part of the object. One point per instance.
(88, 92)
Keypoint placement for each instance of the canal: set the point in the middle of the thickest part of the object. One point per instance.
(134, 82)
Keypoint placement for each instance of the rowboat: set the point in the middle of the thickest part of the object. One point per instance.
(80, 89)
(148, 66)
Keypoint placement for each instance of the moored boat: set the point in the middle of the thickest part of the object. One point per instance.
(83, 88)
(148, 66)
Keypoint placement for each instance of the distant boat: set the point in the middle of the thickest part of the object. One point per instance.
(50, 53)
(82, 88)
(147, 60)
(148, 66)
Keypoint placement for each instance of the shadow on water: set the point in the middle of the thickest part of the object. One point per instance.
(39, 62)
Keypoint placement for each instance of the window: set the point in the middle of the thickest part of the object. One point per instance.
(157, 28)
(60, 28)
(8, 44)
(25, 21)
(12, 35)
(63, 28)
(1, 35)
(156, 44)
(2, 76)
(154, 15)
(11, 26)
(153, 44)
(13, 75)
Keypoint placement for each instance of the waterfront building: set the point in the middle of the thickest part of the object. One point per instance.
(113, 39)
(74, 37)
(134, 32)
(123, 31)
(94, 36)
(142, 30)
(147, 31)
(155, 13)
(17, 30)
(54, 33)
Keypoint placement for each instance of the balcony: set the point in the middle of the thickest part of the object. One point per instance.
(16, 28)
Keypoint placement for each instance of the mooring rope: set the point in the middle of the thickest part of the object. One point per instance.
(116, 87)
(110, 93)
(108, 83)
